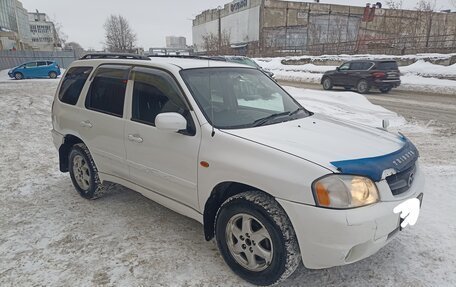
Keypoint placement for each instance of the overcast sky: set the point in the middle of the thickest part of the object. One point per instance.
(152, 21)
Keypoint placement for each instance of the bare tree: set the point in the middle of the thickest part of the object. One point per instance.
(59, 34)
(394, 4)
(453, 3)
(426, 5)
(119, 35)
(211, 43)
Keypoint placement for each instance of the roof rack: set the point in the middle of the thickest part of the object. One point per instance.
(114, 56)
(180, 56)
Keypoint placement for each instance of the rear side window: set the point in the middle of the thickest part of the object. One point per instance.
(107, 91)
(385, 66)
(155, 92)
(49, 63)
(73, 83)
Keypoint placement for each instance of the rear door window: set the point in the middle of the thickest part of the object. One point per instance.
(42, 64)
(357, 66)
(107, 91)
(386, 66)
(73, 83)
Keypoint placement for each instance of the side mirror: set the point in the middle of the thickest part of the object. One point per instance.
(338, 69)
(170, 122)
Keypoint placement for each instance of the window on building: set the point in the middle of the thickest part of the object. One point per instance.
(73, 83)
(155, 92)
(107, 91)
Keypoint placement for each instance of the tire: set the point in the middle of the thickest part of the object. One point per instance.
(18, 76)
(267, 240)
(53, 75)
(385, 90)
(363, 87)
(327, 84)
(84, 173)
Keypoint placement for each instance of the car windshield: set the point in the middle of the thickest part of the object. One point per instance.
(233, 98)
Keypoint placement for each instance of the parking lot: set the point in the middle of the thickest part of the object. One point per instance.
(51, 236)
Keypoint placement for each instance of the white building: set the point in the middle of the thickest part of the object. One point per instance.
(14, 26)
(44, 34)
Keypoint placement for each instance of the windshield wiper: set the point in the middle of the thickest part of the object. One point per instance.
(262, 121)
(296, 111)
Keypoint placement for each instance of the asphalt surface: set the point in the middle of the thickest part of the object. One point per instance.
(427, 108)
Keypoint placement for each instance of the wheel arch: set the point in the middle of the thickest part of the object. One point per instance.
(219, 194)
(68, 142)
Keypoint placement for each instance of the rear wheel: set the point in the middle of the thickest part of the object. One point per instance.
(53, 75)
(18, 76)
(385, 90)
(363, 87)
(256, 238)
(327, 83)
(84, 173)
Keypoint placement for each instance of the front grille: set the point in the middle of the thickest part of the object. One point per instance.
(402, 181)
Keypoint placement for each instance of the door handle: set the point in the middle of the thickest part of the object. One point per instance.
(86, 124)
(135, 138)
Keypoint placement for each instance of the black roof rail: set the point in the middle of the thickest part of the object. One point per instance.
(180, 56)
(114, 56)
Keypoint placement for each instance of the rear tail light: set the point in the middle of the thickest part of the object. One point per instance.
(378, 75)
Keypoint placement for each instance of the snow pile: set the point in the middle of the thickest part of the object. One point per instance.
(345, 57)
(427, 69)
(348, 106)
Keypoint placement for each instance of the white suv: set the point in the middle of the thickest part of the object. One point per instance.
(225, 145)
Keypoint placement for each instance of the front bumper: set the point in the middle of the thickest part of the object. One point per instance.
(329, 237)
(10, 74)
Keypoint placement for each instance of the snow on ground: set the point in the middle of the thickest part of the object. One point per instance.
(345, 57)
(50, 236)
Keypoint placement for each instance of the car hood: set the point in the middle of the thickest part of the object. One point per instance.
(326, 141)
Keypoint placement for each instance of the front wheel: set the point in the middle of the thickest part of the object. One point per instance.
(18, 76)
(327, 84)
(84, 173)
(256, 238)
(363, 87)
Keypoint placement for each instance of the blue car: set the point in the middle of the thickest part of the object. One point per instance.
(35, 69)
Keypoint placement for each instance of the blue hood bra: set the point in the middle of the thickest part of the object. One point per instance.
(373, 167)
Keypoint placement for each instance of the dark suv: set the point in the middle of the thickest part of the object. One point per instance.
(364, 75)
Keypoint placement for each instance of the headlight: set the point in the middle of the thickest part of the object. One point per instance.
(344, 191)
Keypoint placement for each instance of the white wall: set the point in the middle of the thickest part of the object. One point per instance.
(243, 26)
(204, 29)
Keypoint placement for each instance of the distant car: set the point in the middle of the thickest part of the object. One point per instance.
(243, 60)
(363, 75)
(35, 69)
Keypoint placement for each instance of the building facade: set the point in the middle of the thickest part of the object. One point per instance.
(14, 27)
(271, 27)
(44, 34)
(174, 42)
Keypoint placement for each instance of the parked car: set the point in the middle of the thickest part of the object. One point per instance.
(35, 69)
(363, 75)
(225, 145)
(245, 61)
